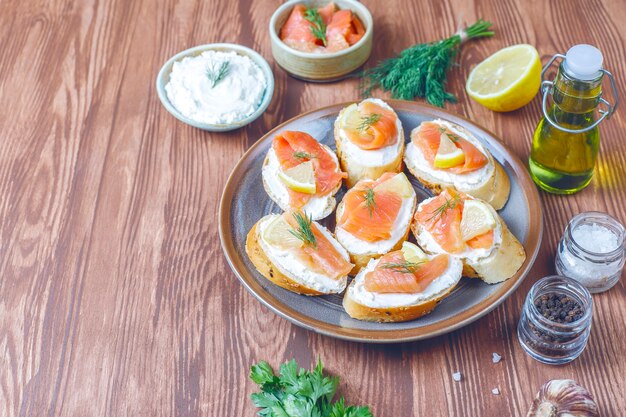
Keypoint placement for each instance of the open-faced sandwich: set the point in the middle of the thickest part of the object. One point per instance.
(402, 285)
(444, 155)
(299, 173)
(298, 254)
(370, 140)
(374, 217)
(470, 229)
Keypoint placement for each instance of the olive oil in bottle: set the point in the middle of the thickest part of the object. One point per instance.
(566, 140)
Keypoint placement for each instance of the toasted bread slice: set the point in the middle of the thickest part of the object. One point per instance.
(368, 164)
(361, 251)
(490, 183)
(275, 269)
(318, 207)
(364, 305)
(493, 265)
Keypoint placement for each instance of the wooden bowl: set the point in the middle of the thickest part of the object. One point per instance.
(321, 67)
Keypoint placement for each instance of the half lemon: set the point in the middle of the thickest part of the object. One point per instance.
(507, 80)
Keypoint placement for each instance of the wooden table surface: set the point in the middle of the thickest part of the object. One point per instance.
(115, 298)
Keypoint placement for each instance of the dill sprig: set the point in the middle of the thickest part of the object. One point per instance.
(215, 75)
(420, 70)
(405, 267)
(303, 155)
(318, 27)
(303, 231)
(441, 210)
(369, 200)
(451, 136)
(368, 121)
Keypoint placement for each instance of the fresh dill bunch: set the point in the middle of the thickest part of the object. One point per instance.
(405, 267)
(318, 27)
(303, 231)
(420, 70)
(368, 121)
(303, 155)
(370, 203)
(441, 210)
(215, 75)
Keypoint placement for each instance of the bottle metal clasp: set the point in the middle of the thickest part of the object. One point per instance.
(547, 87)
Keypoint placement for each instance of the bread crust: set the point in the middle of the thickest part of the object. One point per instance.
(500, 265)
(494, 191)
(390, 314)
(331, 202)
(357, 171)
(360, 261)
(266, 268)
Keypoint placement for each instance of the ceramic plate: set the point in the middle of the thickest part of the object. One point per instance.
(244, 202)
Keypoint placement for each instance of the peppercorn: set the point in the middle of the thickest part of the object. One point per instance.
(559, 308)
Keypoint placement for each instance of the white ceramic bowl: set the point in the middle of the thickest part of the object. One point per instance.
(321, 66)
(164, 76)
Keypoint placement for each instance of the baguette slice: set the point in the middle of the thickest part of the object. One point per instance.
(361, 251)
(493, 265)
(368, 164)
(280, 270)
(391, 307)
(490, 183)
(318, 207)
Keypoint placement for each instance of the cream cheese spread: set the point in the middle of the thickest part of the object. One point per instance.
(437, 288)
(236, 96)
(286, 263)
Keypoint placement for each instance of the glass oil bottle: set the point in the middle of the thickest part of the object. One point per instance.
(566, 140)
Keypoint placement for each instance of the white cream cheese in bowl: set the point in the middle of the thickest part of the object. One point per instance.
(216, 87)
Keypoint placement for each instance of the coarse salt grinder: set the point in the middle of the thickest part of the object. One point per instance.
(591, 251)
(556, 320)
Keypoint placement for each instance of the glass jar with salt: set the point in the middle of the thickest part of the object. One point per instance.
(591, 251)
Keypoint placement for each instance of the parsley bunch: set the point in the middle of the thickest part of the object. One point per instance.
(299, 393)
(421, 70)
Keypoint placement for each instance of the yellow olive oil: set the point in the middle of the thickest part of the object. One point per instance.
(562, 161)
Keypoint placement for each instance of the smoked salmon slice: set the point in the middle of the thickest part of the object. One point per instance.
(428, 138)
(293, 148)
(321, 257)
(393, 274)
(369, 214)
(379, 134)
(441, 216)
(483, 241)
(342, 29)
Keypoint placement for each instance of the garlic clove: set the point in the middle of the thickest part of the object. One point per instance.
(563, 398)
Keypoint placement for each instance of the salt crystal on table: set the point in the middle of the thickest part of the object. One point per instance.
(495, 357)
(495, 391)
(456, 376)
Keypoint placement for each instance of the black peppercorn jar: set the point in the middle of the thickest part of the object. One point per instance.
(556, 320)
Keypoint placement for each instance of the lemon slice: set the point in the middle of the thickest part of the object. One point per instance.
(448, 155)
(412, 253)
(507, 80)
(350, 117)
(300, 178)
(278, 234)
(475, 220)
(399, 185)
